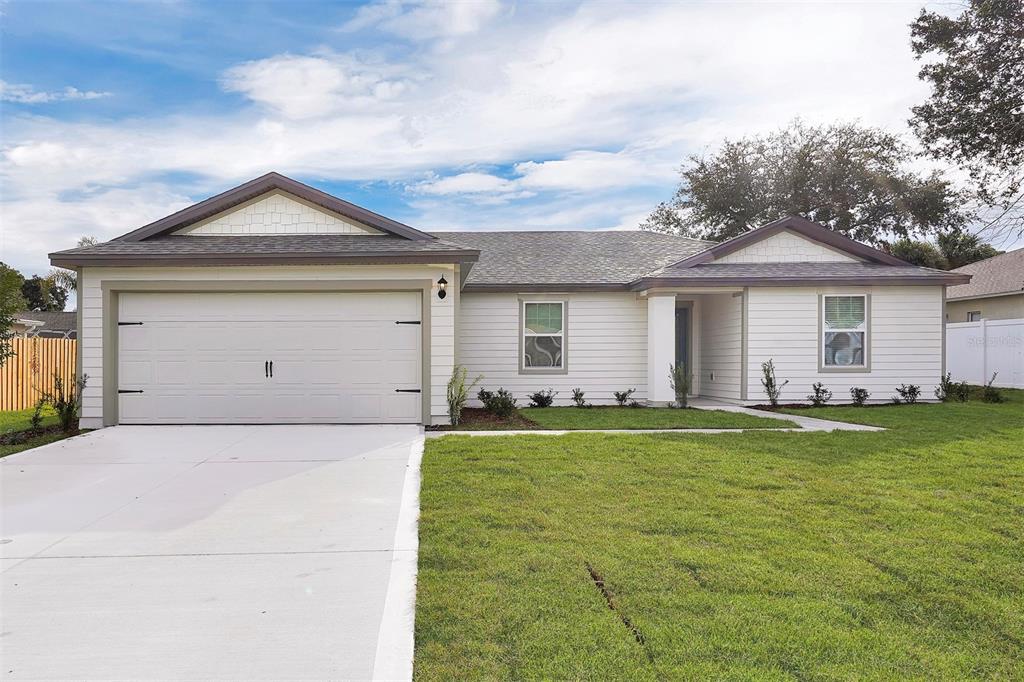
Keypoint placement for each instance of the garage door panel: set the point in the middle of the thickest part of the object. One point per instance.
(338, 357)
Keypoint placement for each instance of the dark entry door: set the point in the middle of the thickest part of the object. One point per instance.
(683, 337)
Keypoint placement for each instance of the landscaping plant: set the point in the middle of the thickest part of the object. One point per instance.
(65, 401)
(577, 398)
(908, 394)
(680, 380)
(952, 390)
(544, 398)
(771, 387)
(991, 394)
(859, 396)
(458, 393)
(819, 394)
(500, 403)
(622, 397)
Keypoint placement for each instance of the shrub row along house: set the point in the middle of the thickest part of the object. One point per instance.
(275, 302)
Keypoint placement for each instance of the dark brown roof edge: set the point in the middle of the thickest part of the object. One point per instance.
(803, 226)
(63, 260)
(261, 185)
(896, 280)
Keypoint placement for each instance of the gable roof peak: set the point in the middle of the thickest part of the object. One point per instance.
(265, 183)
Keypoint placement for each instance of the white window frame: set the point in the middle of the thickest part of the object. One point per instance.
(524, 333)
(865, 328)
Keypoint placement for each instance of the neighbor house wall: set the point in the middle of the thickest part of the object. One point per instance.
(786, 247)
(606, 347)
(91, 301)
(992, 308)
(905, 340)
(721, 335)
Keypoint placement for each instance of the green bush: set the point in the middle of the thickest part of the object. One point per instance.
(622, 397)
(500, 403)
(859, 396)
(819, 394)
(952, 390)
(458, 393)
(991, 394)
(545, 398)
(907, 393)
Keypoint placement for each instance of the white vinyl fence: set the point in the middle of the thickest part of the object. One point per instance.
(974, 350)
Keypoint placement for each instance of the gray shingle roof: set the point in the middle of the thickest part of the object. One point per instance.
(52, 320)
(997, 275)
(569, 257)
(222, 248)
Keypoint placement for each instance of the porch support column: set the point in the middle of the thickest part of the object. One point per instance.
(661, 346)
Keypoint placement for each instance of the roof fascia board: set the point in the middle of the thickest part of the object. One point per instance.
(656, 282)
(804, 228)
(261, 185)
(143, 260)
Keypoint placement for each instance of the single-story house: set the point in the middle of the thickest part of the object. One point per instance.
(275, 302)
(995, 292)
(46, 324)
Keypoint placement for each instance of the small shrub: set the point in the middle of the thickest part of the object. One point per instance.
(819, 394)
(908, 394)
(772, 388)
(578, 399)
(991, 394)
(458, 393)
(65, 401)
(633, 403)
(36, 421)
(679, 378)
(622, 397)
(543, 398)
(859, 395)
(500, 403)
(952, 390)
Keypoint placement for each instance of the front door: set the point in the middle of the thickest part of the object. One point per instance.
(683, 337)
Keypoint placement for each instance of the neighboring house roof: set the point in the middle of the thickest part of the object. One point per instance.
(507, 260)
(998, 275)
(262, 185)
(53, 320)
(261, 249)
(546, 258)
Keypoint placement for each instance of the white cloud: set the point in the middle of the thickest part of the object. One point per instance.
(592, 110)
(26, 94)
(424, 19)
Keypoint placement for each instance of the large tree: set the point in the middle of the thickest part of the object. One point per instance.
(68, 279)
(42, 293)
(853, 179)
(974, 117)
(11, 302)
(962, 248)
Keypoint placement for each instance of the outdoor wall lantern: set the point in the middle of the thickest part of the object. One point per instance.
(442, 284)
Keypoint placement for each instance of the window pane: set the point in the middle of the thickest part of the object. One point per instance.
(844, 312)
(543, 351)
(844, 349)
(544, 318)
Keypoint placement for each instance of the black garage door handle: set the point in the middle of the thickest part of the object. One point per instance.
(266, 368)
(271, 369)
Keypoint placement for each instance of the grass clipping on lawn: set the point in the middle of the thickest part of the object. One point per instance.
(883, 555)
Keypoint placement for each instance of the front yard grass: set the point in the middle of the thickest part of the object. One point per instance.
(776, 555)
(14, 423)
(574, 418)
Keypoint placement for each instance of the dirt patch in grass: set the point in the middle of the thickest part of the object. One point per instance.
(21, 437)
(479, 419)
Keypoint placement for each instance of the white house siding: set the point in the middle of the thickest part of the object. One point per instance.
(442, 314)
(277, 213)
(721, 338)
(607, 345)
(785, 247)
(905, 343)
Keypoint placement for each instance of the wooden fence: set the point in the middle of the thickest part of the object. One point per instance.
(30, 372)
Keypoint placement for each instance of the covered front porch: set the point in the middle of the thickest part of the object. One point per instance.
(702, 329)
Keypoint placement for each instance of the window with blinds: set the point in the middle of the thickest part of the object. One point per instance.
(844, 331)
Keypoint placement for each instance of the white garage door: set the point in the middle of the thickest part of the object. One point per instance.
(273, 358)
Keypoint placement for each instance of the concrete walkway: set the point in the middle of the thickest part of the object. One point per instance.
(805, 423)
(211, 552)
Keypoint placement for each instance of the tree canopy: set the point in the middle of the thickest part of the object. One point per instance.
(42, 293)
(974, 117)
(11, 303)
(853, 179)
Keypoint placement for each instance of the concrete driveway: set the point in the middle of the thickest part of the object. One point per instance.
(211, 552)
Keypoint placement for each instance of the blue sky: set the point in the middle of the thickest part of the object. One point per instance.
(461, 115)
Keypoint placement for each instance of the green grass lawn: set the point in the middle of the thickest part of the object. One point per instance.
(769, 555)
(572, 418)
(20, 420)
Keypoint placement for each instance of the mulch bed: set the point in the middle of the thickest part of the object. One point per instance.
(808, 406)
(479, 419)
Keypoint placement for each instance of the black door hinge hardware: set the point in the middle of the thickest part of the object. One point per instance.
(129, 324)
(407, 390)
(121, 390)
(407, 322)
